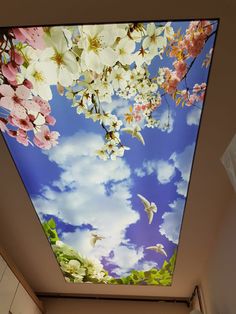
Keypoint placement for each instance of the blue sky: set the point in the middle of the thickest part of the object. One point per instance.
(83, 193)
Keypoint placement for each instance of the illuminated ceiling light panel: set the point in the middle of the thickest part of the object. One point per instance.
(102, 123)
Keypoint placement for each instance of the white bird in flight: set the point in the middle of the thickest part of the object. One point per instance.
(159, 248)
(150, 208)
(135, 132)
(95, 238)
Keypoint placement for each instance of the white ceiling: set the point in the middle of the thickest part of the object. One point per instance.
(20, 231)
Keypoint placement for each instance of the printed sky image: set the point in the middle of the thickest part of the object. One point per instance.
(102, 123)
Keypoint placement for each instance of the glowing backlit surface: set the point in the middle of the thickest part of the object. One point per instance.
(102, 123)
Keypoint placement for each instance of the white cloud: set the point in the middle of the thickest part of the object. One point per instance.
(81, 166)
(166, 121)
(182, 187)
(118, 106)
(80, 240)
(172, 221)
(92, 191)
(150, 166)
(132, 259)
(147, 265)
(193, 116)
(139, 172)
(183, 161)
(126, 257)
(164, 170)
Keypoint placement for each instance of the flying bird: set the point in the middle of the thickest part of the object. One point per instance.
(159, 248)
(135, 132)
(95, 238)
(150, 208)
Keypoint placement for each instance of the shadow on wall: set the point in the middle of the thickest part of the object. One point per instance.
(218, 283)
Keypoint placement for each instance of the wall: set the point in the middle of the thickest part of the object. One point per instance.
(73, 306)
(16, 297)
(218, 283)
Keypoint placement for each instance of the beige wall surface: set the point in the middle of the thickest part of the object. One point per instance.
(73, 306)
(218, 283)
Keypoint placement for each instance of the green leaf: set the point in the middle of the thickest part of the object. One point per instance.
(51, 223)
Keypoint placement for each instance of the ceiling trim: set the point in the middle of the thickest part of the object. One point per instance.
(54, 295)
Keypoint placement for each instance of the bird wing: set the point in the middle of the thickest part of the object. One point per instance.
(139, 136)
(145, 202)
(160, 248)
(162, 251)
(128, 130)
(137, 128)
(154, 207)
(151, 248)
(150, 216)
(93, 241)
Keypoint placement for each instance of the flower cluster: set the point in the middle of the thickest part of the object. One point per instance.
(189, 97)
(185, 48)
(196, 36)
(93, 65)
(191, 44)
(77, 268)
(23, 110)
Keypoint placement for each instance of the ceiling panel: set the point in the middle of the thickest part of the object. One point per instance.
(207, 194)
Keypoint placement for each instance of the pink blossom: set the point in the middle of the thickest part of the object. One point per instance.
(207, 27)
(16, 101)
(46, 139)
(171, 81)
(28, 84)
(202, 96)
(185, 94)
(8, 93)
(191, 100)
(50, 120)
(23, 124)
(137, 108)
(138, 117)
(181, 68)
(32, 35)
(196, 35)
(22, 137)
(140, 107)
(193, 41)
(3, 123)
(17, 57)
(196, 88)
(31, 117)
(12, 133)
(195, 45)
(203, 86)
(31, 105)
(10, 120)
(45, 108)
(9, 71)
(192, 26)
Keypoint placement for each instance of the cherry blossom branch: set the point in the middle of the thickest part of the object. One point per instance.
(192, 63)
